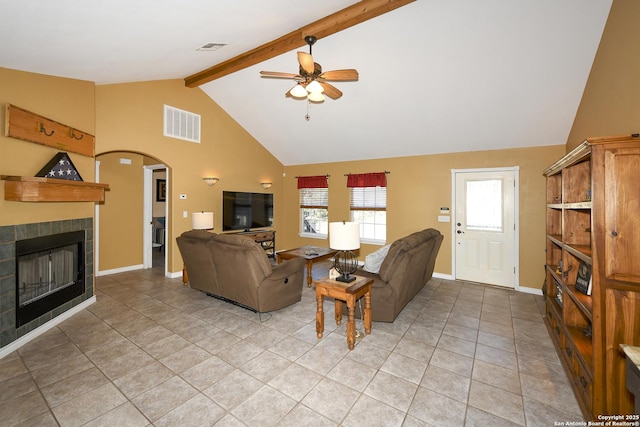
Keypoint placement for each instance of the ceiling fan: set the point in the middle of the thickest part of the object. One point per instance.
(312, 83)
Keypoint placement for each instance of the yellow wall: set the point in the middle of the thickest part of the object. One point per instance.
(67, 101)
(120, 239)
(129, 119)
(419, 186)
(611, 101)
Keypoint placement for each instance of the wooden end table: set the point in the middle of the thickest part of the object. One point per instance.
(349, 293)
(311, 254)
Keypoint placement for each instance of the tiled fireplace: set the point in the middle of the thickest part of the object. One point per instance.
(59, 283)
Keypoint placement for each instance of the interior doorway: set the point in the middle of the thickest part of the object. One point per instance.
(485, 226)
(155, 215)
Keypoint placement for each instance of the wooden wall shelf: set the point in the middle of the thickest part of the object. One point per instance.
(27, 126)
(35, 189)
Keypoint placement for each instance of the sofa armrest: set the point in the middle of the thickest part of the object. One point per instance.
(287, 268)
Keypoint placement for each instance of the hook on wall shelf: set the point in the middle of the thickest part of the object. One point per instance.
(74, 136)
(44, 130)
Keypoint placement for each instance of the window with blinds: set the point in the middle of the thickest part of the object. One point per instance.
(369, 208)
(314, 212)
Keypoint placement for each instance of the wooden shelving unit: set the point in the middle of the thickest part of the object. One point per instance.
(36, 189)
(593, 206)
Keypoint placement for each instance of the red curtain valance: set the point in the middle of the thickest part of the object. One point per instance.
(374, 179)
(313, 181)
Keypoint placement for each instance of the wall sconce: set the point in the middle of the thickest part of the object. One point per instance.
(210, 181)
(266, 185)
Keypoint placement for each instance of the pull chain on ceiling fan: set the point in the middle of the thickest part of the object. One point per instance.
(311, 82)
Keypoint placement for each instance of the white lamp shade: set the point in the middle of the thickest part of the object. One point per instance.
(344, 236)
(202, 220)
(298, 91)
(314, 87)
(316, 97)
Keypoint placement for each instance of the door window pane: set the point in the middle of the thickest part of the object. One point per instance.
(484, 205)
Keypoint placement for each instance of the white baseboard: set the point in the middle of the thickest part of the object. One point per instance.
(119, 270)
(10, 348)
(174, 275)
(442, 276)
(533, 291)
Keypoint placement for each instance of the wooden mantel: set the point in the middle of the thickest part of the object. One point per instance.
(36, 189)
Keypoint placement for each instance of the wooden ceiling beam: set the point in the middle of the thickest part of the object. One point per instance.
(345, 18)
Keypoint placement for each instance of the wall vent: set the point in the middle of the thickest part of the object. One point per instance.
(181, 124)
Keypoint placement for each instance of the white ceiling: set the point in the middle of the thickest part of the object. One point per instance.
(436, 76)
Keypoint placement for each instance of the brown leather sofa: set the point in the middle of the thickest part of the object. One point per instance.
(405, 270)
(236, 268)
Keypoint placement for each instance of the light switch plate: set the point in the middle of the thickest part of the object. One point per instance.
(185, 214)
(444, 218)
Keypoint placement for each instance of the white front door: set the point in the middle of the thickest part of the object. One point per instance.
(485, 226)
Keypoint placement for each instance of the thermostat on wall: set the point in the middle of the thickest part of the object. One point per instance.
(444, 211)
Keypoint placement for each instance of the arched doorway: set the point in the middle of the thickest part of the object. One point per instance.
(132, 224)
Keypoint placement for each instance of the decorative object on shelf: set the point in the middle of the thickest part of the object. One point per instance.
(583, 279)
(161, 190)
(345, 237)
(202, 220)
(27, 126)
(60, 167)
(266, 185)
(210, 180)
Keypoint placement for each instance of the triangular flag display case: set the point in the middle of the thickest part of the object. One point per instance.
(60, 167)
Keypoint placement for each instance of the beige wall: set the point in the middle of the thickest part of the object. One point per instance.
(67, 101)
(418, 186)
(120, 238)
(611, 100)
(129, 119)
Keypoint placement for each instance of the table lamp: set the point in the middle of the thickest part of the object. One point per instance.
(345, 237)
(202, 221)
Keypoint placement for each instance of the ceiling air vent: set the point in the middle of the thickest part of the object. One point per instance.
(181, 124)
(211, 46)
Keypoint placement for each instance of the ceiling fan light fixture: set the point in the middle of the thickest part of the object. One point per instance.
(316, 97)
(314, 87)
(298, 91)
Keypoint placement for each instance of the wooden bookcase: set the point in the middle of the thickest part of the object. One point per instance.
(593, 215)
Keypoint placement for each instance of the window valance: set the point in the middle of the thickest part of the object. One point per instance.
(319, 181)
(374, 179)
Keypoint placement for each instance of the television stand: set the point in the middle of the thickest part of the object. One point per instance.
(265, 238)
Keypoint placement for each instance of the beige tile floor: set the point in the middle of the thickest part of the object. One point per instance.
(153, 352)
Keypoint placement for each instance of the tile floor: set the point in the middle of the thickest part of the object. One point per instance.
(153, 352)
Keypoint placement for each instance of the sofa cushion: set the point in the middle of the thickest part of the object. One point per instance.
(389, 266)
(373, 261)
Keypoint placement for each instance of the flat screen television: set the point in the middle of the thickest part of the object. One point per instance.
(244, 211)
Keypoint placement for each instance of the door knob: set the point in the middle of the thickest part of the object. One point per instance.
(460, 232)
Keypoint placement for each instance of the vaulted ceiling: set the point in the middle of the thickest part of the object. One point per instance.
(436, 76)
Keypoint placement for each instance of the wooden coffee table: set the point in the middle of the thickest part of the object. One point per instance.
(349, 293)
(310, 253)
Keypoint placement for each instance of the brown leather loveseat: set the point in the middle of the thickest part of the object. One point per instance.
(407, 267)
(236, 268)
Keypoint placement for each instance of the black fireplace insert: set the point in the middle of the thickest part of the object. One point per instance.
(49, 273)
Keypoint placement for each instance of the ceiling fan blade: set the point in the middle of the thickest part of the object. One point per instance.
(279, 75)
(306, 62)
(331, 91)
(340, 75)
